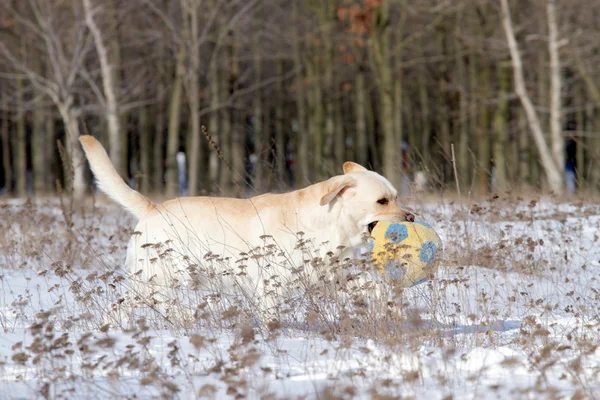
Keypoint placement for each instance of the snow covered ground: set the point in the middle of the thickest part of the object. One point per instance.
(513, 313)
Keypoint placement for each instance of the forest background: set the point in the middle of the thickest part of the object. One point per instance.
(266, 95)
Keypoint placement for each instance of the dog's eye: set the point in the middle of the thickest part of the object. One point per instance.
(383, 202)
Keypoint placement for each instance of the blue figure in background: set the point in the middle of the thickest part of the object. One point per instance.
(570, 177)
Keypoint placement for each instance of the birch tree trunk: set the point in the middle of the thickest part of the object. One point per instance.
(193, 90)
(551, 167)
(76, 179)
(110, 90)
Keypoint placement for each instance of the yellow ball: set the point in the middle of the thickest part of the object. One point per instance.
(405, 252)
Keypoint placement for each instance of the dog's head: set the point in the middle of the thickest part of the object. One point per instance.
(364, 198)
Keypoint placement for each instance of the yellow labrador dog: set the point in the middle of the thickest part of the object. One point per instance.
(193, 231)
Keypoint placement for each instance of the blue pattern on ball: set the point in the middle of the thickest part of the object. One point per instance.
(396, 233)
(428, 251)
(371, 246)
(425, 224)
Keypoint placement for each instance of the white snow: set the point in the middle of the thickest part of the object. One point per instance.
(513, 313)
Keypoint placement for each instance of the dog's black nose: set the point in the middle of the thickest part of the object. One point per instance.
(409, 217)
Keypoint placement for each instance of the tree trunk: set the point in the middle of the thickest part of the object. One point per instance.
(76, 177)
(462, 156)
(590, 83)
(483, 141)
(398, 110)
(193, 86)
(270, 171)
(500, 131)
(158, 170)
(279, 128)
(51, 166)
(6, 164)
(225, 175)
(21, 144)
(315, 120)
(238, 130)
(362, 151)
(326, 18)
(172, 176)
(301, 170)
(110, 87)
(145, 150)
(425, 121)
(557, 140)
(443, 138)
(41, 169)
(525, 170)
(215, 169)
(371, 134)
(473, 119)
(553, 171)
(382, 68)
(339, 138)
(412, 136)
(443, 118)
(580, 125)
(261, 143)
(593, 145)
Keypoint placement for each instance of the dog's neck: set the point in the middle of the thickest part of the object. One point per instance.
(324, 220)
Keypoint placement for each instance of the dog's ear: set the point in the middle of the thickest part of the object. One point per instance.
(335, 187)
(350, 166)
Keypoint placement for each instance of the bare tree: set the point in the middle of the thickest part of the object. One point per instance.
(62, 39)
(191, 11)
(552, 166)
(558, 147)
(110, 96)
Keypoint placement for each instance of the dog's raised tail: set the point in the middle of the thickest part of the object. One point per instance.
(109, 181)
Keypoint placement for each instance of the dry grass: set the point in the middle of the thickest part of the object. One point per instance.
(517, 279)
